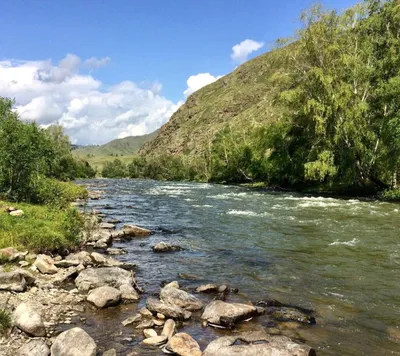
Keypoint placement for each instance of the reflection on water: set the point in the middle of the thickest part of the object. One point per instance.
(338, 257)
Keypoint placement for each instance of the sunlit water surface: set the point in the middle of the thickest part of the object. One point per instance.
(338, 257)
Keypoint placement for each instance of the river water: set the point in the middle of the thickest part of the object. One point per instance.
(338, 257)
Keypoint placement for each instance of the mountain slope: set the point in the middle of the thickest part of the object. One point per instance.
(245, 97)
(122, 146)
(124, 149)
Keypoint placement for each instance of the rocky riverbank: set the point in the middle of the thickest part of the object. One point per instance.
(49, 298)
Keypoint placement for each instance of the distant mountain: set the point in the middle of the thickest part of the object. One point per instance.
(123, 149)
(122, 146)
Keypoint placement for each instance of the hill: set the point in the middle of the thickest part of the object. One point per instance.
(244, 98)
(123, 149)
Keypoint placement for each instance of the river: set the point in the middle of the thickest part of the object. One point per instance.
(339, 257)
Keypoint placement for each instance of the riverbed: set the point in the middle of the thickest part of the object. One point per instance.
(338, 257)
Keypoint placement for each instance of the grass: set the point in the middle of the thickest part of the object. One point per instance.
(41, 228)
(5, 321)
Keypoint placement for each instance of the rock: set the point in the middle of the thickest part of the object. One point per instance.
(180, 298)
(184, 345)
(91, 278)
(170, 311)
(74, 342)
(104, 296)
(173, 284)
(166, 247)
(34, 348)
(155, 340)
(286, 314)
(160, 316)
(80, 257)
(111, 352)
(27, 319)
(128, 293)
(132, 319)
(149, 333)
(188, 277)
(227, 314)
(98, 259)
(146, 313)
(11, 254)
(145, 324)
(169, 328)
(65, 274)
(114, 221)
(116, 251)
(67, 263)
(12, 281)
(45, 264)
(107, 226)
(208, 288)
(17, 213)
(101, 235)
(257, 344)
(158, 322)
(134, 231)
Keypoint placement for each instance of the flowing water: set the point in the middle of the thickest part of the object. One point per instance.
(339, 257)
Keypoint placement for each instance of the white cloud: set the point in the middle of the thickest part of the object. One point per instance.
(94, 63)
(90, 112)
(241, 51)
(196, 82)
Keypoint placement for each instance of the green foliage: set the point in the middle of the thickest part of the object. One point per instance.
(391, 194)
(41, 228)
(115, 169)
(55, 193)
(28, 153)
(5, 321)
(323, 110)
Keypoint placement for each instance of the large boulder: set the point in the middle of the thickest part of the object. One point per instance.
(180, 298)
(12, 281)
(27, 319)
(91, 278)
(183, 344)
(35, 347)
(227, 314)
(74, 342)
(45, 264)
(170, 311)
(104, 296)
(135, 231)
(257, 344)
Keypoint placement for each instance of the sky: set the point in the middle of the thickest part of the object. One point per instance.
(109, 69)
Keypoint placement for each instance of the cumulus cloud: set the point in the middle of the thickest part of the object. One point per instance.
(196, 82)
(90, 112)
(241, 51)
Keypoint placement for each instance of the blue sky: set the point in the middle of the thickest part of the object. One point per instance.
(142, 42)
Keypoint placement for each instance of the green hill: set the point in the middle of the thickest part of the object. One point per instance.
(123, 149)
(239, 100)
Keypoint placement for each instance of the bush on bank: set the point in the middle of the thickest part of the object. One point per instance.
(42, 228)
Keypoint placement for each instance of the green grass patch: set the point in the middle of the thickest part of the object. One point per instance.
(5, 321)
(41, 228)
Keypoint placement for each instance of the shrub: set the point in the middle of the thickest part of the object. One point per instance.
(391, 195)
(55, 193)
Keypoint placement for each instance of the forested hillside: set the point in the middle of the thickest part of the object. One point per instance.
(320, 110)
